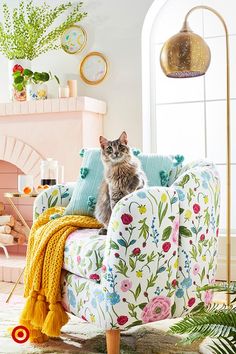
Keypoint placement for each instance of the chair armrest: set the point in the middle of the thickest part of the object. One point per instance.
(58, 195)
(199, 198)
(179, 170)
(140, 260)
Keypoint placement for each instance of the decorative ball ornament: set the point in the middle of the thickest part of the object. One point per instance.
(186, 54)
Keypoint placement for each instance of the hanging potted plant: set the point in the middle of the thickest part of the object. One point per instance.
(27, 30)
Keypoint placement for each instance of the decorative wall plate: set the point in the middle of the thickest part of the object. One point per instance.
(73, 39)
(93, 68)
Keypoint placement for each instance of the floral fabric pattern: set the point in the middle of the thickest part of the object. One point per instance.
(161, 245)
(58, 195)
(84, 253)
(140, 257)
(199, 194)
(84, 298)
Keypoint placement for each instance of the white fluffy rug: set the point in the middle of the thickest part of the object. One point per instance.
(82, 338)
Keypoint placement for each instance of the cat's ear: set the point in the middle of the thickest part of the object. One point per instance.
(123, 138)
(103, 142)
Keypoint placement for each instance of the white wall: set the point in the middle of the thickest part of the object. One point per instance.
(190, 114)
(114, 28)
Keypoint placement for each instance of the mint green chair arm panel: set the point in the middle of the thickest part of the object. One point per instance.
(58, 195)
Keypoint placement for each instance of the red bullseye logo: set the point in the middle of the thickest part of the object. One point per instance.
(20, 334)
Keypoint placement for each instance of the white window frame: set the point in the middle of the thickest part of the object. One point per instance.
(148, 81)
(149, 115)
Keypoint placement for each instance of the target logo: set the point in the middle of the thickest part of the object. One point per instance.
(20, 334)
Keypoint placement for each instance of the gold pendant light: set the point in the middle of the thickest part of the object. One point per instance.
(185, 55)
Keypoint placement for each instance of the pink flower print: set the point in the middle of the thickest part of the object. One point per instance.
(202, 237)
(126, 219)
(166, 246)
(104, 268)
(196, 208)
(196, 269)
(208, 297)
(121, 320)
(94, 277)
(175, 231)
(157, 309)
(78, 259)
(136, 251)
(191, 301)
(126, 285)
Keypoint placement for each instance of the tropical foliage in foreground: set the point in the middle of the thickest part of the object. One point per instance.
(215, 321)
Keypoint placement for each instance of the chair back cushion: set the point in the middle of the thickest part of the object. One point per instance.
(83, 200)
(86, 190)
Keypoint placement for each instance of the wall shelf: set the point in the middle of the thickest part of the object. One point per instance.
(53, 105)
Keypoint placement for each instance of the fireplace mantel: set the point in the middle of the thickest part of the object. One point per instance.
(54, 105)
(57, 128)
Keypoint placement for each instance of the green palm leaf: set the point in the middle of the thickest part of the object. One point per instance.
(215, 324)
(224, 287)
(215, 321)
(224, 346)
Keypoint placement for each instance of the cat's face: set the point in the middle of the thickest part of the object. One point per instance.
(115, 151)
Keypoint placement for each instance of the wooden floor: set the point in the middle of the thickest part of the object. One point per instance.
(5, 288)
(11, 268)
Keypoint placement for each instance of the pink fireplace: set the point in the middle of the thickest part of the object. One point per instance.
(56, 128)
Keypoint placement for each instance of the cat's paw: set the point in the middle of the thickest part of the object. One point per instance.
(102, 231)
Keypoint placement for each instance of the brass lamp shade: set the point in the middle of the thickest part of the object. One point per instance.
(185, 55)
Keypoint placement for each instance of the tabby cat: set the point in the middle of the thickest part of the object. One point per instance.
(122, 175)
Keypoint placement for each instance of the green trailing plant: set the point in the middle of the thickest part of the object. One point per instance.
(27, 31)
(22, 77)
(215, 321)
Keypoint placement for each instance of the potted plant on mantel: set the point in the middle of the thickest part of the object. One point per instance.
(25, 31)
(30, 85)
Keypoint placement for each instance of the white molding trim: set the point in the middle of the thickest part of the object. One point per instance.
(53, 105)
(148, 113)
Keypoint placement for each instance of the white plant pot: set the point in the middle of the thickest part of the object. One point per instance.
(25, 63)
(36, 92)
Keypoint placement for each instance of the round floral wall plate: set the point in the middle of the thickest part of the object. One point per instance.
(73, 39)
(93, 68)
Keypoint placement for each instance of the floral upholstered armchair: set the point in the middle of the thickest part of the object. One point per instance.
(161, 245)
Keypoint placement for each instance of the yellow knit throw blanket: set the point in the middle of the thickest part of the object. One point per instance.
(43, 313)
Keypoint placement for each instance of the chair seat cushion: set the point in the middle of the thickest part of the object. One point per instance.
(84, 253)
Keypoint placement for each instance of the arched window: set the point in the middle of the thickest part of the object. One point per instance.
(188, 116)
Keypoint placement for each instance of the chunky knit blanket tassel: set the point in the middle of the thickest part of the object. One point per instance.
(43, 313)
